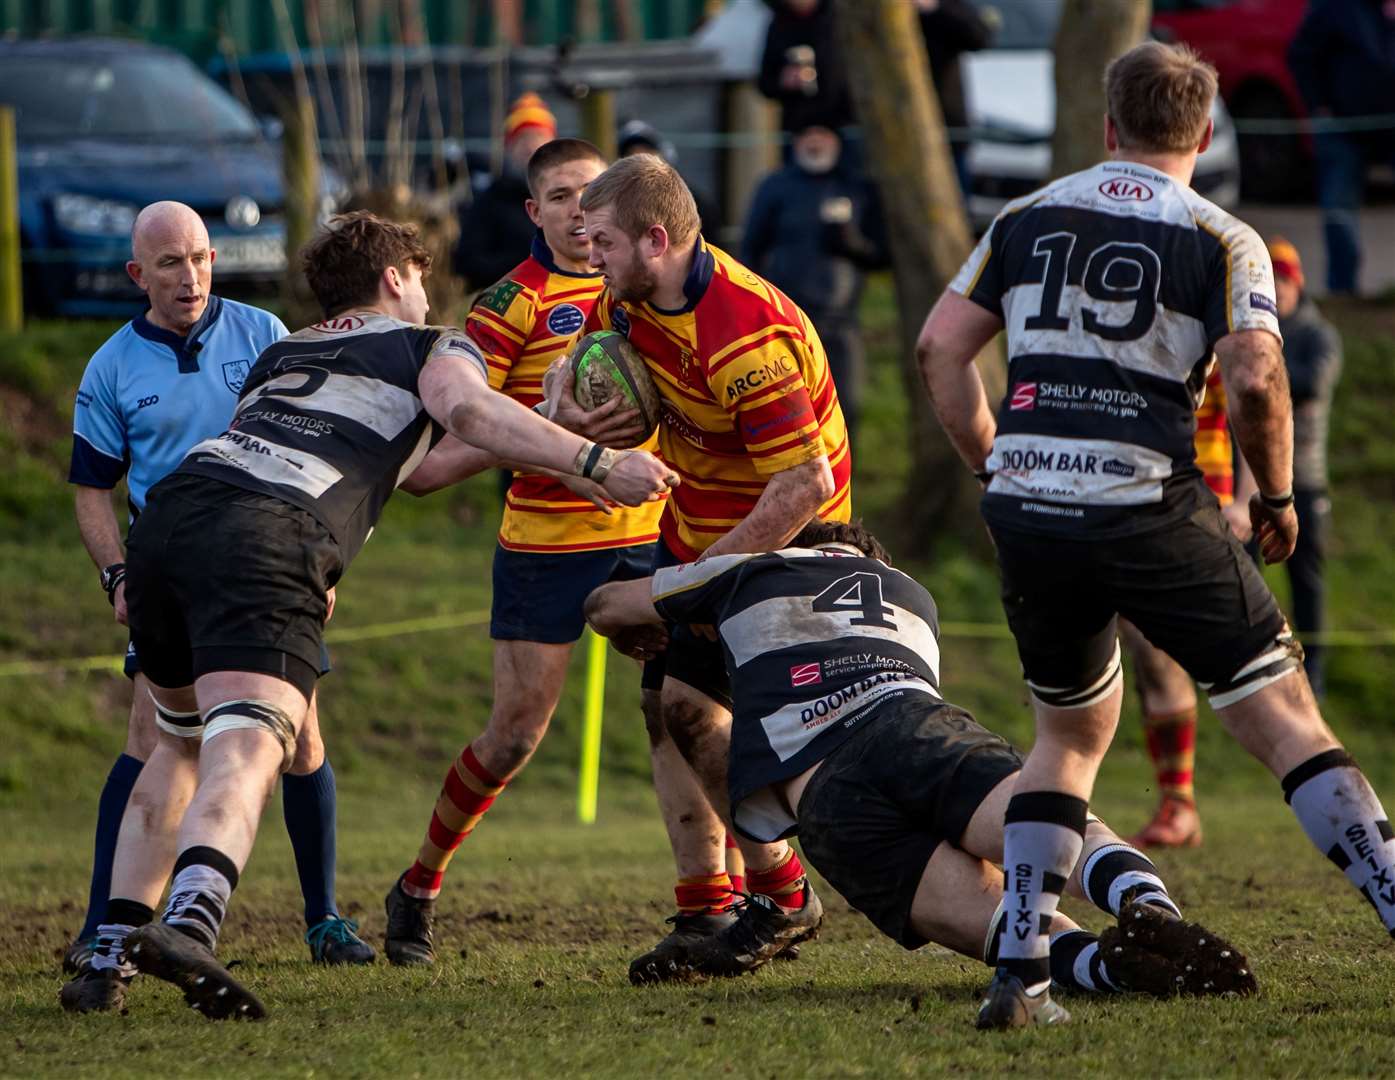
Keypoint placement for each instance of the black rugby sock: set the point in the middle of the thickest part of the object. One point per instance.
(1116, 874)
(204, 879)
(1076, 963)
(122, 919)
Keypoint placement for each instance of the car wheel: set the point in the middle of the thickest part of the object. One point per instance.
(1274, 166)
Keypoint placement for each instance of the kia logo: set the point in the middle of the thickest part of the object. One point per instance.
(1126, 191)
(341, 324)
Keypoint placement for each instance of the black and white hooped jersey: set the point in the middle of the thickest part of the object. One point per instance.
(814, 639)
(1114, 284)
(330, 421)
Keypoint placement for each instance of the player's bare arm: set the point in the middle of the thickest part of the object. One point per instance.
(101, 535)
(1261, 415)
(624, 612)
(454, 391)
(955, 332)
(451, 461)
(789, 500)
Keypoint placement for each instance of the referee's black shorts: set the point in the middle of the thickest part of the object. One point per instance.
(1190, 589)
(222, 579)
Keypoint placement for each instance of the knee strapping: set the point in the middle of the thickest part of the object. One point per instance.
(1283, 656)
(251, 715)
(1085, 694)
(183, 725)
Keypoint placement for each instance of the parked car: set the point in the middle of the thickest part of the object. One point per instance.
(1247, 41)
(1011, 95)
(107, 126)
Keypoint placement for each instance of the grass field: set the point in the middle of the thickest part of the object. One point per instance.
(541, 914)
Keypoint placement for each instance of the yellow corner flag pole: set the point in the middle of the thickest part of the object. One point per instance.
(589, 784)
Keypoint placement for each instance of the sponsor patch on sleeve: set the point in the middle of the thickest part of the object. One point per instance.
(1261, 302)
(498, 297)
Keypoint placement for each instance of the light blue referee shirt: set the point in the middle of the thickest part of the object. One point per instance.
(148, 394)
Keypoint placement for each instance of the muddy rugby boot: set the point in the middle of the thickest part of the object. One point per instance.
(78, 955)
(160, 950)
(94, 991)
(762, 930)
(333, 940)
(409, 938)
(1175, 824)
(1154, 952)
(668, 960)
(1006, 1004)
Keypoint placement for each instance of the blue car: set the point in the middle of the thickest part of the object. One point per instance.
(106, 127)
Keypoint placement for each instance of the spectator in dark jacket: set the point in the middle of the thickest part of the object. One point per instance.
(1313, 356)
(495, 230)
(1343, 59)
(952, 28)
(802, 66)
(637, 137)
(814, 230)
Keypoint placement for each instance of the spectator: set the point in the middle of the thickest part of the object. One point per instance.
(802, 68)
(814, 230)
(637, 137)
(1313, 356)
(495, 227)
(950, 28)
(1343, 59)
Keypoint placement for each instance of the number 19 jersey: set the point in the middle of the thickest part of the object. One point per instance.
(1114, 284)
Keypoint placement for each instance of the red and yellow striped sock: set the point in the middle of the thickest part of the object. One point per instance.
(736, 865)
(696, 895)
(783, 882)
(1172, 747)
(468, 792)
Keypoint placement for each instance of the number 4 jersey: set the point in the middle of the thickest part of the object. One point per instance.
(813, 638)
(1114, 284)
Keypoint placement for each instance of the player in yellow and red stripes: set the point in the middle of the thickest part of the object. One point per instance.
(1166, 693)
(752, 426)
(554, 545)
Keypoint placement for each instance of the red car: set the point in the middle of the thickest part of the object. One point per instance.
(1248, 42)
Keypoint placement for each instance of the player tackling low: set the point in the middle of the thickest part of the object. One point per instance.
(1115, 286)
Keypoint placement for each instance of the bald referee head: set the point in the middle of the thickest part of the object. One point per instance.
(172, 262)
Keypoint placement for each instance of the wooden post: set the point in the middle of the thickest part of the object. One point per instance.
(301, 172)
(908, 150)
(11, 299)
(754, 120)
(598, 121)
(1091, 34)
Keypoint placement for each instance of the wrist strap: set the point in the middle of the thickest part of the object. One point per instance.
(1277, 502)
(112, 577)
(607, 461)
(586, 459)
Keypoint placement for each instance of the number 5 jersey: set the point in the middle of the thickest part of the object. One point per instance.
(1114, 284)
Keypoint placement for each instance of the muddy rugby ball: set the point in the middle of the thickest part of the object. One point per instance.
(604, 365)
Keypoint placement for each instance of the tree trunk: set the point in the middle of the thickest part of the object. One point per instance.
(929, 235)
(1091, 34)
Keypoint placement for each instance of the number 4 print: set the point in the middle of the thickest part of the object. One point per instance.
(1114, 273)
(857, 592)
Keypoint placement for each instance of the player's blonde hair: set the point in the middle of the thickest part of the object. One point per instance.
(1159, 97)
(645, 190)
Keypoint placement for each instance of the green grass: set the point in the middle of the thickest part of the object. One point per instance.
(548, 912)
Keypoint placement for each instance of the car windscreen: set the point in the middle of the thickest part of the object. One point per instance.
(119, 97)
(1022, 24)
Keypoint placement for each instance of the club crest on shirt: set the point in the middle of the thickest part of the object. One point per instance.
(620, 321)
(235, 373)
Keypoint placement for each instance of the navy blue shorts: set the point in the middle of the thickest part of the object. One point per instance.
(540, 597)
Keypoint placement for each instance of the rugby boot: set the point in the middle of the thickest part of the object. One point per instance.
(333, 941)
(762, 930)
(1153, 952)
(94, 991)
(668, 960)
(160, 950)
(78, 955)
(1175, 824)
(409, 939)
(1006, 1004)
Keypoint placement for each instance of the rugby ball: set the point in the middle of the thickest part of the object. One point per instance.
(605, 364)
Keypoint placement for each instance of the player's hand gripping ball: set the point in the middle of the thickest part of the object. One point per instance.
(604, 364)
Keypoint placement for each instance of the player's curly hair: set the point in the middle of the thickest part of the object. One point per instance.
(344, 262)
(852, 533)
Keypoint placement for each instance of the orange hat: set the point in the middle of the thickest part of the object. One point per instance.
(1286, 262)
(529, 111)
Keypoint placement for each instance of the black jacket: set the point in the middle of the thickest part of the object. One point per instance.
(496, 233)
(1343, 58)
(952, 28)
(831, 103)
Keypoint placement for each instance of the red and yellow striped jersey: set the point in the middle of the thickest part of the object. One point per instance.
(746, 393)
(1214, 456)
(522, 324)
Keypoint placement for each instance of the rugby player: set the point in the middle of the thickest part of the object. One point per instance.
(230, 566)
(752, 425)
(840, 734)
(1115, 286)
(554, 546)
(166, 380)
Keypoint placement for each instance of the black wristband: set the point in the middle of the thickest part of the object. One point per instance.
(112, 577)
(594, 456)
(1277, 502)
